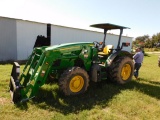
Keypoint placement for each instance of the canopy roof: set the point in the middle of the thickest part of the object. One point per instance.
(108, 26)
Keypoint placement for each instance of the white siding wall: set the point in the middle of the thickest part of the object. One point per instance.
(27, 33)
(8, 43)
(17, 37)
(61, 35)
(66, 35)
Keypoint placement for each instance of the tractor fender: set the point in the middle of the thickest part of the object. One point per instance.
(121, 53)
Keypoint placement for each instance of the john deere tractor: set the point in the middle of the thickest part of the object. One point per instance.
(74, 65)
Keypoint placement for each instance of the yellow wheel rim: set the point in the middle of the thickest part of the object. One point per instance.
(126, 71)
(76, 83)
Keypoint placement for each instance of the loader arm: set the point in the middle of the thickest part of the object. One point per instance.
(33, 76)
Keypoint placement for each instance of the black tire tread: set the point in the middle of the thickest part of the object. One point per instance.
(114, 70)
(66, 76)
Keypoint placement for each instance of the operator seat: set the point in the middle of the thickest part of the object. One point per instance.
(106, 50)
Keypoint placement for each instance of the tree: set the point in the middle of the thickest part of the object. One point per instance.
(146, 41)
(141, 40)
(156, 40)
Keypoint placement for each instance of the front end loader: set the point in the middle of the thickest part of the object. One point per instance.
(73, 65)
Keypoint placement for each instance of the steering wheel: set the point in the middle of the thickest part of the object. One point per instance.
(97, 44)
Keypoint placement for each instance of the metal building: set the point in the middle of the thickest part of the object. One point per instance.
(17, 37)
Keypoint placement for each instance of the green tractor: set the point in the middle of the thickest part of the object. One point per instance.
(74, 65)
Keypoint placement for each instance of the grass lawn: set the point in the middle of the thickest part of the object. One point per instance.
(137, 100)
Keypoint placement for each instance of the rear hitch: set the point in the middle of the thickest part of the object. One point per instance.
(14, 85)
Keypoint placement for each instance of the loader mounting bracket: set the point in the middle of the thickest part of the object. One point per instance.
(14, 85)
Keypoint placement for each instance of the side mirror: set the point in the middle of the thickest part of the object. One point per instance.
(125, 44)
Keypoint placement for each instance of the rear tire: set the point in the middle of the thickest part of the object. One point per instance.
(74, 81)
(121, 70)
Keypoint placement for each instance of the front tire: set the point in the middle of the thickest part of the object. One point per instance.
(74, 81)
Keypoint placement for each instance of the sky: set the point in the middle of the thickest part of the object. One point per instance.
(142, 16)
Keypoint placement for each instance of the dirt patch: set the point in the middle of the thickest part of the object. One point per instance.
(4, 101)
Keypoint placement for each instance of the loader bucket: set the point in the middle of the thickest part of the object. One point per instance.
(14, 84)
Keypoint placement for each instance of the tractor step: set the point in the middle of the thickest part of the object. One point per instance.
(103, 72)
